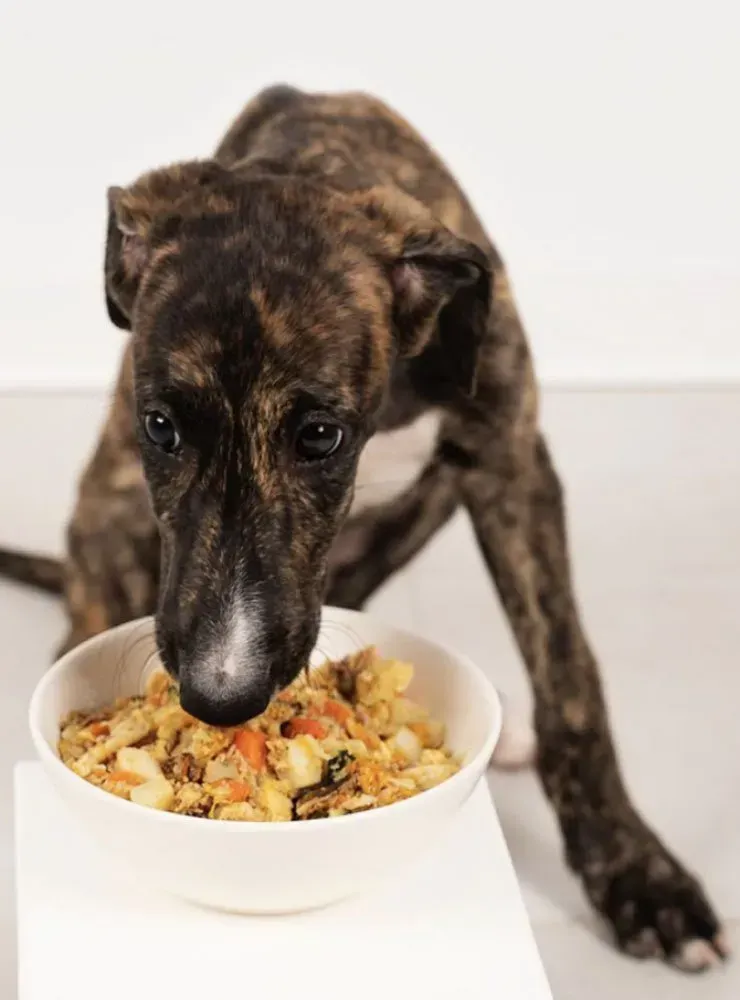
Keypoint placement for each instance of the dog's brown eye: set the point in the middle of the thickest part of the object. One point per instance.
(319, 439)
(161, 431)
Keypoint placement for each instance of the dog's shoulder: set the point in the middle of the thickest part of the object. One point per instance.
(350, 141)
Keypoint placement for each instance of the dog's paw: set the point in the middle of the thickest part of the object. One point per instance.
(657, 910)
(517, 744)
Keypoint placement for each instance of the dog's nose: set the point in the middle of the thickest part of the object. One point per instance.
(232, 708)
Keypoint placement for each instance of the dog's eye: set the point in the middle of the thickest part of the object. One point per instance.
(161, 431)
(318, 439)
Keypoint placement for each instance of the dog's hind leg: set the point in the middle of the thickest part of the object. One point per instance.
(379, 542)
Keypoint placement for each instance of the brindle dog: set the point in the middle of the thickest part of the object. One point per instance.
(320, 281)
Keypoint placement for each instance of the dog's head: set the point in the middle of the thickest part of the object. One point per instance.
(267, 315)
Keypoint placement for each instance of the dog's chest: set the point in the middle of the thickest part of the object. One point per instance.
(392, 460)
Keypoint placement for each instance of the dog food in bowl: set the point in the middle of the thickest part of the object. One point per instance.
(341, 739)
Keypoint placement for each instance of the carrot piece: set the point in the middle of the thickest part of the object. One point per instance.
(304, 727)
(239, 791)
(360, 732)
(126, 777)
(253, 747)
(337, 711)
(99, 729)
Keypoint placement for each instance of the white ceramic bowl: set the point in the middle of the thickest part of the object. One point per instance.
(268, 867)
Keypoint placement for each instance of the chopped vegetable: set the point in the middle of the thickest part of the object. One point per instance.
(357, 748)
(383, 683)
(407, 743)
(404, 712)
(428, 775)
(220, 770)
(337, 711)
(304, 762)
(125, 777)
(431, 733)
(157, 794)
(360, 732)
(233, 790)
(337, 767)
(301, 726)
(139, 762)
(276, 802)
(252, 745)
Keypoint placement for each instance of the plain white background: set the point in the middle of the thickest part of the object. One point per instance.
(598, 141)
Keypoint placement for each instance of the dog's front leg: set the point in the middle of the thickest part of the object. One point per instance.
(378, 543)
(653, 905)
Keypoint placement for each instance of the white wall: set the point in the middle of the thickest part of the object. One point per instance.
(599, 142)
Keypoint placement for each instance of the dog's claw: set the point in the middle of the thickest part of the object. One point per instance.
(644, 944)
(697, 955)
(657, 910)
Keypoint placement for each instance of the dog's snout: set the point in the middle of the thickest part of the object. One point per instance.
(225, 674)
(223, 706)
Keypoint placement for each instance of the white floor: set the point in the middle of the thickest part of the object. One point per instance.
(653, 482)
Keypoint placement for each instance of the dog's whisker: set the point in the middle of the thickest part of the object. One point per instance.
(345, 632)
(140, 637)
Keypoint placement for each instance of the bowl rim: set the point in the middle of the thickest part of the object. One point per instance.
(54, 763)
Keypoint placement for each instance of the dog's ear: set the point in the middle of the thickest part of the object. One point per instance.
(126, 254)
(141, 215)
(441, 294)
(441, 286)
